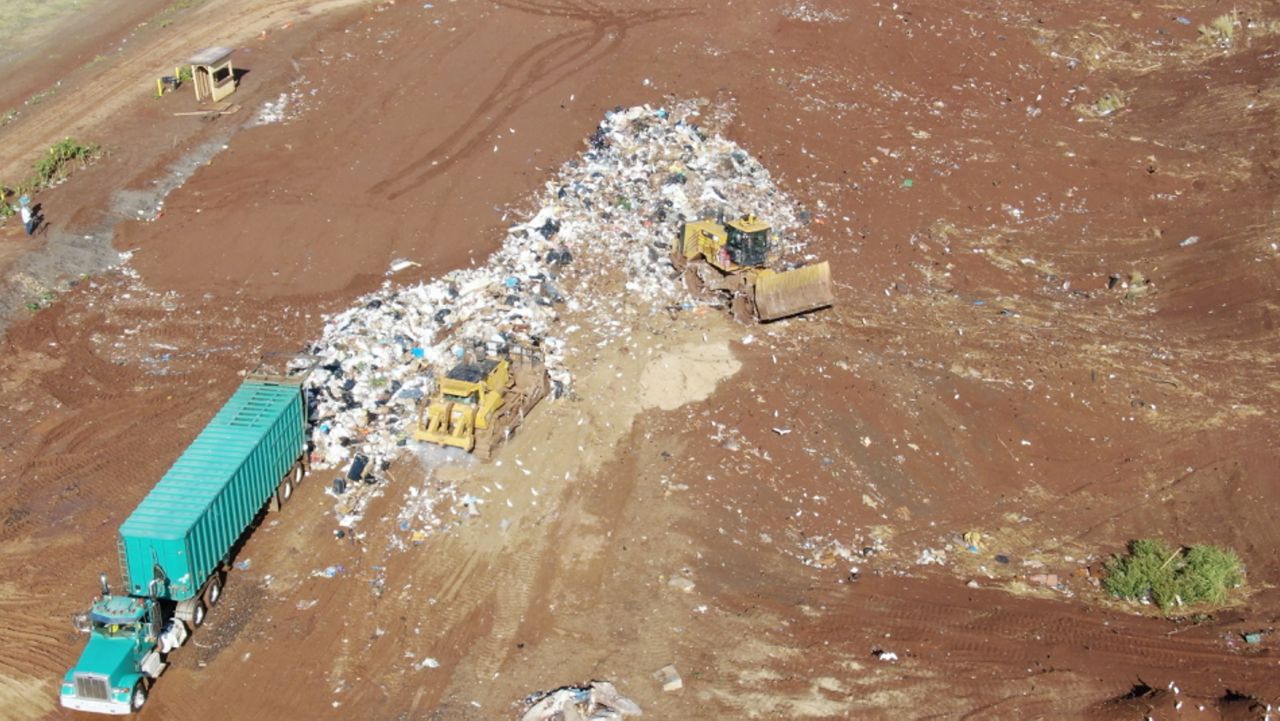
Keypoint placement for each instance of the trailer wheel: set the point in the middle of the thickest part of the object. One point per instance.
(298, 474)
(138, 698)
(197, 615)
(214, 591)
(284, 491)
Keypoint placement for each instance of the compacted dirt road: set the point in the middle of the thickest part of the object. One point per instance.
(1055, 241)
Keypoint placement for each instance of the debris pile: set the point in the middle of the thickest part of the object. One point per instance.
(804, 12)
(599, 701)
(592, 259)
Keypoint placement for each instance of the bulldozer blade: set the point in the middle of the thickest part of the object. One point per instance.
(779, 295)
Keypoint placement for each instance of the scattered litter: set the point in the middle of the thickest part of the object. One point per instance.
(973, 541)
(781, 431)
(599, 700)
(885, 655)
(427, 662)
(1189, 240)
(669, 678)
(244, 564)
(931, 557)
(330, 571)
(805, 13)
(1049, 580)
(399, 265)
(681, 583)
(1253, 638)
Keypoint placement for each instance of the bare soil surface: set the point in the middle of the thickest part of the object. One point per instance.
(992, 182)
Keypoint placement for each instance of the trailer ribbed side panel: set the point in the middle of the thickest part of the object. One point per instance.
(188, 523)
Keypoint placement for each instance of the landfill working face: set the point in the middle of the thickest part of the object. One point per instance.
(589, 262)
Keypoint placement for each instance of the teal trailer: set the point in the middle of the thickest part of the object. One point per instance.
(176, 544)
(182, 531)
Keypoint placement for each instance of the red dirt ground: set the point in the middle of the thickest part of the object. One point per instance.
(976, 374)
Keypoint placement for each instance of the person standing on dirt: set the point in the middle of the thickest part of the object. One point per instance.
(29, 218)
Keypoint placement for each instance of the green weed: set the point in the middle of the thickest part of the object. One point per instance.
(57, 162)
(1170, 578)
(43, 95)
(1110, 102)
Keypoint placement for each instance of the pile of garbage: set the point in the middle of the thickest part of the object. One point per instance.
(598, 701)
(592, 256)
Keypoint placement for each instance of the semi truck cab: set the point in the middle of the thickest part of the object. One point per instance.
(176, 545)
(122, 653)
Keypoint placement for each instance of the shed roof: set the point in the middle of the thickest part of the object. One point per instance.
(210, 56)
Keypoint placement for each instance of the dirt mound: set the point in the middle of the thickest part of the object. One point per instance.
(687, 374)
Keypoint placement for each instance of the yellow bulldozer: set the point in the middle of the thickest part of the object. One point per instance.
(479, 404)
(733, 258)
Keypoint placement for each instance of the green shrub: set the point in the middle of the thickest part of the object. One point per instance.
(56, 163)
(1168, 578)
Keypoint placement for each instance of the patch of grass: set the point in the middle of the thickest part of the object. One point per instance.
(61, 156)
(1139, 286)
(165, 17)
(1170, 578)
(8, 117)
(1109, 103)
(55, 166)
(1221, 30)
(43, 95)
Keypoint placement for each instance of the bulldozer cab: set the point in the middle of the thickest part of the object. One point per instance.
(464, 382)
(747, 241)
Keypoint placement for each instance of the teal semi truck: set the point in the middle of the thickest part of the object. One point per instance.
(175, 546)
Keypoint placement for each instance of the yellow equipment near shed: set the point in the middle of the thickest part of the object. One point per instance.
(479, 404)
(733, 258)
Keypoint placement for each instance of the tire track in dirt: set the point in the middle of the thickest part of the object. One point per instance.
(539, 68)
(26, 669)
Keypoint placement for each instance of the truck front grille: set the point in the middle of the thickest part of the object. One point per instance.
(92, 687)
